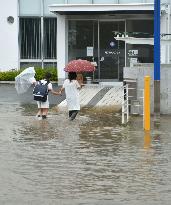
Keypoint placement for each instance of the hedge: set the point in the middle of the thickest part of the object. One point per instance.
(10, 75)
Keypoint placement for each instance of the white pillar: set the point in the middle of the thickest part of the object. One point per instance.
(163, 26)
(62, 47)
(9, 35)
(166, 28)
(169, 32)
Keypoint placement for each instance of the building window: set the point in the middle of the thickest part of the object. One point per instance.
(30, 64)
(50, 65)
(30, 8)
(30, 38)
(138, 53)
(31, 43)
(50, 33)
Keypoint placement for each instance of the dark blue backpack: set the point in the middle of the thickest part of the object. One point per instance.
(40, 92)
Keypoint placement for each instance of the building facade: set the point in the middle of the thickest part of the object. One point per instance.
(52, 32)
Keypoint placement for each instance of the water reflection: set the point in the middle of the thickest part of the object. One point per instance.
(147, 139)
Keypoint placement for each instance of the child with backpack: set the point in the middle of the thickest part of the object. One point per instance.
(40, 93)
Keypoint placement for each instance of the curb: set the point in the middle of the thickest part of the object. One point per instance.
(13, 82)
(7, 82)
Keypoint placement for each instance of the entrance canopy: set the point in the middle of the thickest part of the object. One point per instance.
(148, 41)
(68, 9)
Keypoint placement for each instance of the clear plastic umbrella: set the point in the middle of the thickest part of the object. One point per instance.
(24, 80)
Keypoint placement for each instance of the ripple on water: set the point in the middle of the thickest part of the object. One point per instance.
(92, 160)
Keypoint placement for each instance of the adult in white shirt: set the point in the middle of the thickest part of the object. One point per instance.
(72, 87)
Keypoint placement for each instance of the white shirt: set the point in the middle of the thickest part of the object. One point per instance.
(33, 81)
(72, 94)
(49, 84)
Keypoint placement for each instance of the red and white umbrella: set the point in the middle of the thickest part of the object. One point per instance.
(79, 66)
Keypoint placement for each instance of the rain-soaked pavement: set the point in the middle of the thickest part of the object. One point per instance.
(93, 160)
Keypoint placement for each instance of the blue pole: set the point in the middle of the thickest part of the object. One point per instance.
(156, 39)
(156, 58)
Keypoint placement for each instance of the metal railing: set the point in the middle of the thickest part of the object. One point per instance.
(125, 105)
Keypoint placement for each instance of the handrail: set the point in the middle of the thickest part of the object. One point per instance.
(125, 105)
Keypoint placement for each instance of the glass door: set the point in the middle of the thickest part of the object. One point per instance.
(111, 53)
(83, 42)
(94, 41)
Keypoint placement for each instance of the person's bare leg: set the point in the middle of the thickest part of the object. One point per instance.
(44, 113)
(39, 113)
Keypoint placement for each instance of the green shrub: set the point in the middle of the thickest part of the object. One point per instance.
(10, 75)
(41, 72)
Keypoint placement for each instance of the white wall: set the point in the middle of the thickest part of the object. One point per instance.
(163, 29)
(165, 20)
(62, 45)
(8, 35)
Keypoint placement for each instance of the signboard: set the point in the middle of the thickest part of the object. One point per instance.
(89, 51)
(133, 61)
(133, 53)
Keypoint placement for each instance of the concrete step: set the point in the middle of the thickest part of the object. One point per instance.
(100, 95)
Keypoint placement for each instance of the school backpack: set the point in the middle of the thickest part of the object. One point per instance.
(40, 91)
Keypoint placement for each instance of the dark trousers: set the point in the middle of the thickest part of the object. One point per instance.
(73, 114)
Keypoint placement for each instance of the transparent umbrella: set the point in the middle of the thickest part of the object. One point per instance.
(24, 80)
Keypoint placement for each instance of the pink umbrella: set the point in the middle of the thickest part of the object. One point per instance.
(79, 66)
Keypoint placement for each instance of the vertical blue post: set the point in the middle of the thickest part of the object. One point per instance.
(156, 56)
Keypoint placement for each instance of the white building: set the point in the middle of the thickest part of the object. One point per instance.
(52, 32)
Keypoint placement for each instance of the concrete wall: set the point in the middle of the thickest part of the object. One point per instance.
(139, 71)
(166, 29)
(8, 35)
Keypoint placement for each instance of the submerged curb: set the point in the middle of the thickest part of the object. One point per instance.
(7, 82)
(13, 82)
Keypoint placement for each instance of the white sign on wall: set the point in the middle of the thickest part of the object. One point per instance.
(89, 51)
(133, 61)
(133, 53)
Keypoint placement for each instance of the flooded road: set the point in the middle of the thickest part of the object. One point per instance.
(92, 160)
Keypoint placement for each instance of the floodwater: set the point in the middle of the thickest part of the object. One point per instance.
(92, 160)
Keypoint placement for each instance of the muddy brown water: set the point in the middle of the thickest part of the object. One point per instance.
(92, 160)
